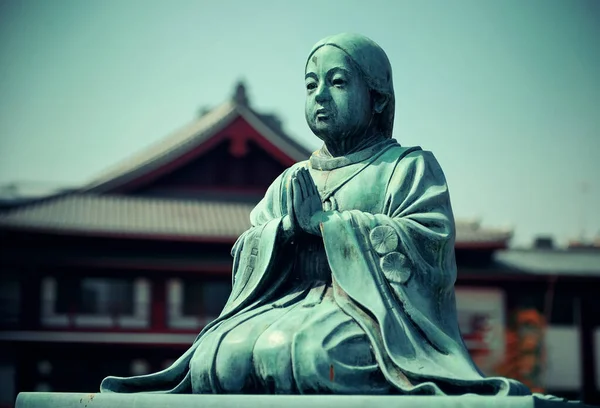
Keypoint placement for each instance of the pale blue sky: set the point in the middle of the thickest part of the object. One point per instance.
(505, 93)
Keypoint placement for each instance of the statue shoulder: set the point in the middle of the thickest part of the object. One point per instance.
(413, 159)
(396, 153)
(408, 154)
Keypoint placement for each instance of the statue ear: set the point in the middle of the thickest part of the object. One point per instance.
(380, 101)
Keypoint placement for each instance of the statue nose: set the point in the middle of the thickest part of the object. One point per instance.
(322, 94)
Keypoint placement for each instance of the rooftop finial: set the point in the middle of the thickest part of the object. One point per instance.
(240, 94)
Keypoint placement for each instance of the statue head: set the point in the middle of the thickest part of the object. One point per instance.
(349, 88)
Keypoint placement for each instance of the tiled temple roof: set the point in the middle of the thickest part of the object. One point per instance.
(153, 217)
(130, 215)
(572, 262)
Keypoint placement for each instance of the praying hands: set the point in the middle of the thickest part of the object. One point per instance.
(303, 204)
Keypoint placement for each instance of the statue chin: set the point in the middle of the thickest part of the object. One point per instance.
(325, 131)
(336, 137)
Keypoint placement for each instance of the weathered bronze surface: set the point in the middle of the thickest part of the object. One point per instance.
(344, 284)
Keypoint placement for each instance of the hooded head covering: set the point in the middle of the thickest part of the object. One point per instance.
(374, 66)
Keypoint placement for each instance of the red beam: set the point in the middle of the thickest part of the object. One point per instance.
(158, 296)
(149, 265)
(198, 238)
(126, 235)
(239, 128)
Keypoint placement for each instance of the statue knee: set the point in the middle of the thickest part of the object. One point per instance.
(200, 366)
(233, 366)
(310, 358)
(336, 358)
(272, 362)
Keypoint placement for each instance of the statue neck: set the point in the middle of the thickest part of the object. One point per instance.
(353, 144)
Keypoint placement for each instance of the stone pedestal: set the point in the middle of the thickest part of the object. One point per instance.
(76, 400)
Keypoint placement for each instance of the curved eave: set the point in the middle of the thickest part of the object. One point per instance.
(188, 139)
(166, 150)
(98, 233)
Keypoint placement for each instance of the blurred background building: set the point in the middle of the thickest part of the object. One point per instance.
(118, 276)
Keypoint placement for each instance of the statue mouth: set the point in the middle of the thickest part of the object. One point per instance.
(322, 114)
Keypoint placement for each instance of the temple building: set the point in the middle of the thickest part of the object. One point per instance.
(118, 276)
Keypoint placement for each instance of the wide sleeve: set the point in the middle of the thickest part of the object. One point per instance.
(253, 278)
(413, 233)
(396, 271)
(256, 249)
(398, 264)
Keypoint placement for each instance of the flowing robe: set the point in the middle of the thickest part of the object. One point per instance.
(388, 234)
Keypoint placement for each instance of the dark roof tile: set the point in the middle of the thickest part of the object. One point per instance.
(134, 215)
(551, 261)
(168, 217)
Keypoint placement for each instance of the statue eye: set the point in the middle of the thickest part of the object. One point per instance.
(311, 86)
(338, 82)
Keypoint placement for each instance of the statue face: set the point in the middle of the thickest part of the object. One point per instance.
(338, 101)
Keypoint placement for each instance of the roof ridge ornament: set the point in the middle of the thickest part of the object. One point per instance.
(240, 97)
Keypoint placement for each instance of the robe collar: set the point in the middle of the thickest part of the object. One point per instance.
(321, 160)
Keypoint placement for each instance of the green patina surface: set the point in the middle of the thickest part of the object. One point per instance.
(344, 284)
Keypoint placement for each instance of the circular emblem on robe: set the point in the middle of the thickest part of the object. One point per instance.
(384, 239)
(395, 267)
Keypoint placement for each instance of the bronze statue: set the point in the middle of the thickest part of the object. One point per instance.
(344, 284)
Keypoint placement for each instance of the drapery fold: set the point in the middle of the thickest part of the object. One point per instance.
(389, 240)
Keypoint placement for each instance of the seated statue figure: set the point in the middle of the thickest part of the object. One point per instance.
(344, 284)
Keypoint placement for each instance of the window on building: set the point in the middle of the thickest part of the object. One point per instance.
(10, 298)
(205, 299)
(192, 299)
(95, 302)
(107, 296)
(95, 296)
(215, 296)
(192, 304)
(563, 310)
